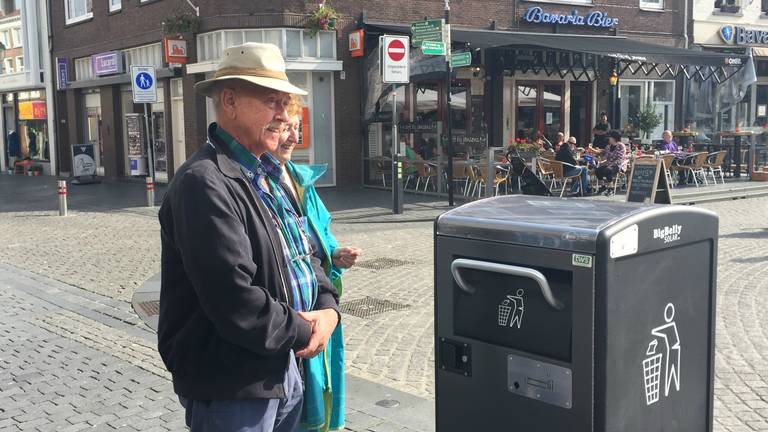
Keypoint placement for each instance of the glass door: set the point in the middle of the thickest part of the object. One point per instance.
(539, 109)
(631, 97)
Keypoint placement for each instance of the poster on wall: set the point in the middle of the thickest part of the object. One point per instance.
(33, 110)
(83, 161)
(304, 130)
(135, 138)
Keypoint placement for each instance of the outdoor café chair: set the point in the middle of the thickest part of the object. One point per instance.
(558, 171)
(714, 164)
(696, 168)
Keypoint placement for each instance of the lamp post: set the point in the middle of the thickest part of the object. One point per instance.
(448, 128)
(613, 81)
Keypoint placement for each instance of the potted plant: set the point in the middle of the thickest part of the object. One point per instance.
(647, 121)
(525, 148)
(323, 18)
(180, 24)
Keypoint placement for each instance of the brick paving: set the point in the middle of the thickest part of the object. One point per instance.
(108, 247)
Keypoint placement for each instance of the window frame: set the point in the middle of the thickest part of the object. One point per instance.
(74, 20)
(19, 63)
(113, 7)
(645, 4)
(569, 2)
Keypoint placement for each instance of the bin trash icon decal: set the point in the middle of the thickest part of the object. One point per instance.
(652, 373)
(514, 306)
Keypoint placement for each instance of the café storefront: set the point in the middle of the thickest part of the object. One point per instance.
(520, 85)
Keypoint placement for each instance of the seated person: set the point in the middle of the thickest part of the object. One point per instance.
(559, 140)
(615, 161)
(567, 155)
(668, 145)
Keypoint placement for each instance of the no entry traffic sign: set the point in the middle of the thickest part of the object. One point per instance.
(396, 50)
(395, 59)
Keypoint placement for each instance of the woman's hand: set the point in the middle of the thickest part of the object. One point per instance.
(345, 257)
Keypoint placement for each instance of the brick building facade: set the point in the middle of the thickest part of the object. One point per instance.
(345, 104)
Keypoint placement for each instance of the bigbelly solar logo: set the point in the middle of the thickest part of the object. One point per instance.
(669, 233)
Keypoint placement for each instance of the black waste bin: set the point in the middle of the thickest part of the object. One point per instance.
(574, 315)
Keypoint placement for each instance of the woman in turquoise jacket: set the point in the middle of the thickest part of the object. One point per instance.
(323, 408)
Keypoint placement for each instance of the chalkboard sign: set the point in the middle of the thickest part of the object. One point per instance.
(648, 182)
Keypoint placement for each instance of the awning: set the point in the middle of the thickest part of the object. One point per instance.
(631, 54)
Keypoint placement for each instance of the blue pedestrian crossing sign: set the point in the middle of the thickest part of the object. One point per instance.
(144, 84)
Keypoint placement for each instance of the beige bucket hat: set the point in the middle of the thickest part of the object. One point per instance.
(257, 63)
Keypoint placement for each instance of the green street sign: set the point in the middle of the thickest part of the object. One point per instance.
(433, 48)
(429, 30)
(461, 59)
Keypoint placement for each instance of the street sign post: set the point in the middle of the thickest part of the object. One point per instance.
(395, 59)
(433, 48)
(429, 30)
(144, 85)
(461, 59)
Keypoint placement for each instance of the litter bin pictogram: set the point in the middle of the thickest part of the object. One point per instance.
(652, 373)
(504, 310)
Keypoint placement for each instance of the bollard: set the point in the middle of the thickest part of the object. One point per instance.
(150, 192)
(62, 197)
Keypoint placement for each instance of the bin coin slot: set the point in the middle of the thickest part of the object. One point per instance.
(542, 381)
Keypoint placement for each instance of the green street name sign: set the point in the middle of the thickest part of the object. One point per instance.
(429, 30)
(461, 59)
(433, 48)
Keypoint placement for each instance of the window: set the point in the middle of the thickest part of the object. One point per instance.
(764, 6)
(17, 42)
(8, 66)
(4, 39)
(652, 4)
(729, 6)
(78, 10)
(19, 64)
(115, 5)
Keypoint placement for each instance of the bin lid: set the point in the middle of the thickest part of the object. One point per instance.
(564, 224)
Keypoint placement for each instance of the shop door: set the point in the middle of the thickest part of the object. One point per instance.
(631, 96)
(93, 136)
(322, 122)
(539, 109)
(161, 151)
(581, 107)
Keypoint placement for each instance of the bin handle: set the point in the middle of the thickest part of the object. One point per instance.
(525, 272)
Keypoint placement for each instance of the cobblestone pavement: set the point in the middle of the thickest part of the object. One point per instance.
(390, 347)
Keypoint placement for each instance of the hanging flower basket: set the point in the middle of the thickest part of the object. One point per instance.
(179, 24)
(323, 18)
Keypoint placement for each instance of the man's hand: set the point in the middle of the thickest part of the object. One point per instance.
(323, 323)
(345, 257)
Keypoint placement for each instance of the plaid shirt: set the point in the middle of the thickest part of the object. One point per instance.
(265, 175)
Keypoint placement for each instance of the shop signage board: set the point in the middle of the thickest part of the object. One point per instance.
(595, 18)
(356, 41)
(108, 63)
(433, 48)
(144, 84)
(395, 59)
(175, 50)
(83, 161)
(461, 59)
(648, 182)
(411, 127)
(62, 73)
(738, 35)
(429, 30)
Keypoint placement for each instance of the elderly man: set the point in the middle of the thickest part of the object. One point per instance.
(571, 167)
(241, 294)
(668, 144)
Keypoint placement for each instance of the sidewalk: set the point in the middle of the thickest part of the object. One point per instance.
(67, 316)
